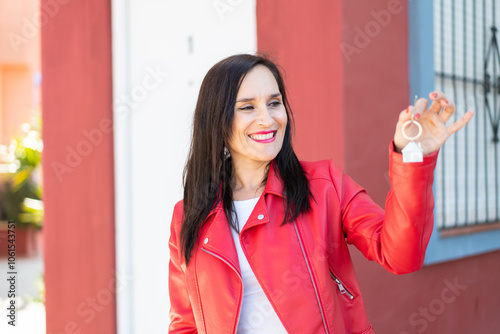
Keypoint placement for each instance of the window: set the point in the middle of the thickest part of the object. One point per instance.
(467, 69)
(453, 48)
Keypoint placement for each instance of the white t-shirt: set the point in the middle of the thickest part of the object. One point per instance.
(257, 315)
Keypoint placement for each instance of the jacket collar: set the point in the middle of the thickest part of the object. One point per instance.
(219, 232)
(274, 183)
(274, 186)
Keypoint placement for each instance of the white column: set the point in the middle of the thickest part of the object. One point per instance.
(161, 52)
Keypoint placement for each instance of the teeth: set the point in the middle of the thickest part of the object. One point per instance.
(262, 137)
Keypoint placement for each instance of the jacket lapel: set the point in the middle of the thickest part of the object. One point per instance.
(218, 238)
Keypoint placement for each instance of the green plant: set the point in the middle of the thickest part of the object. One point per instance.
(20, 188)
(40, 286)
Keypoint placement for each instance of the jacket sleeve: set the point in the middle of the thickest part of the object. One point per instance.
(397, 238)
(181, 313)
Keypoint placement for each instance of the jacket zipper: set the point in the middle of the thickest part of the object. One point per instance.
(343, 290)
(237, 273)
(312, 279)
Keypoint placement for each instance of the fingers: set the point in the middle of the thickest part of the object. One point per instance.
(448, 110)
(399, 140)
(436, 98)
(441, 106)
(405, 114)
(420, 107)
(461, 122)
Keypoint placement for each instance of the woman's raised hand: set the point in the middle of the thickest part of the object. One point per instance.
(433, 121)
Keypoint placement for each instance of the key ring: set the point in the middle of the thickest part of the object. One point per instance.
(409, 122)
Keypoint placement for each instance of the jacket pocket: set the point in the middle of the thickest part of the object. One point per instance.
(342, 288)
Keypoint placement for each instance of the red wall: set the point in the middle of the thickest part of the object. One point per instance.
(313, 70)
(346, 105)
(78, 167)
(421, 303)
(376, 87)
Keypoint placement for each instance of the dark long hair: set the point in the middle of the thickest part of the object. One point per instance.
(208, 171)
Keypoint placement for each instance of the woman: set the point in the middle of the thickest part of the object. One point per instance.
(259, 243)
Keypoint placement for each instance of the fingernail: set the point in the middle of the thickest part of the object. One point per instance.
(445, 101)
(408, 109)
(434, 95)
(417, 116)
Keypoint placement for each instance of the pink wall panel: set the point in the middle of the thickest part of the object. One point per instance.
(78, 168)
(309, 53)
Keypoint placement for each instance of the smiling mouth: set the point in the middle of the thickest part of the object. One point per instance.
(264, 137)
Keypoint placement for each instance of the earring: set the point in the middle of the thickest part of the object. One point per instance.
(227, 154)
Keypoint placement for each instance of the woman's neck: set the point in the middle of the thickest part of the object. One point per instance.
(248, 180)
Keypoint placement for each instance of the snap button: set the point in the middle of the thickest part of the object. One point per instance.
(205, 241)
(260, 217)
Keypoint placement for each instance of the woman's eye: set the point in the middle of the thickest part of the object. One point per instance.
(247, 108)
(275, 104)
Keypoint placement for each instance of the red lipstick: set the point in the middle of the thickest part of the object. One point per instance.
(263, 136)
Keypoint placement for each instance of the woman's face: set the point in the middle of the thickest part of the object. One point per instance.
(260, 119)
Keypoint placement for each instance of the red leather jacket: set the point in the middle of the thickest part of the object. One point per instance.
(304, 267)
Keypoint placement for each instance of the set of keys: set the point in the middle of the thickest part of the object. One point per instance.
(413, 151)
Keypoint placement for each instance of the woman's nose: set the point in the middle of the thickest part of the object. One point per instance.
(264, 117)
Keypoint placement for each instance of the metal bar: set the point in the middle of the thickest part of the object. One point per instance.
(468, 227)
(490, 85)
(476, 139)
(495, 105)
(454, 84)
(485, 120)
(466, 190)
(497, 80)
(443, 164)
(488, 107)
(475, 81)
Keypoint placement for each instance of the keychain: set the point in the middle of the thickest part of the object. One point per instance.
(413, 151)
